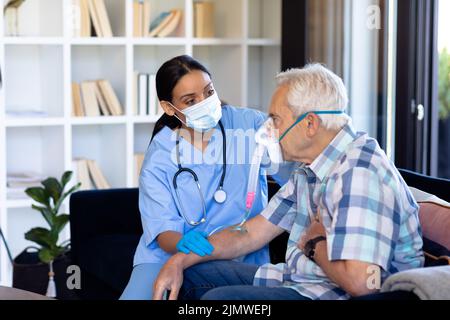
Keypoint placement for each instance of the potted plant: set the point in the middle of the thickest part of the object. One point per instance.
(30, 270)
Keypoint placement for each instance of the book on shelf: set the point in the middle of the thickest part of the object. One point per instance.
(102, 15)
(85, 19)
(204, 19)
(153, 103)
(81, 172)
(166, 23)
(138, 23)
(91, 106)
(89, 16)
(97, 176)
(171, 25)
(88, 172)
(18, 182)
(146, 18)
(77, 109)
(104, 109)
(135, 92)
(110, 97)
(95, 18)
(143, 94)
(10, 16)
(76, 18)
(141, 17)
(95, 98)
(146, 103)
(138, 161)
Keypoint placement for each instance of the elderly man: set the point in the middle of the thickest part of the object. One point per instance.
(351, 218)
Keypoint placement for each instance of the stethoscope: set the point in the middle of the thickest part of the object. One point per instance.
(220, 196)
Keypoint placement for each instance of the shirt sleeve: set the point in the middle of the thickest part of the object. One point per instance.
(365, 218)
(156, 205)
(282, 208)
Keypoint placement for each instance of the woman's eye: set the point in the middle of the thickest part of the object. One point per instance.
(210, 92)
(190, 102)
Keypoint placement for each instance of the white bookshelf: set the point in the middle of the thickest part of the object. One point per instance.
(39, 66)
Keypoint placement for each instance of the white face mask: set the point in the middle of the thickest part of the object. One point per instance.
(204, 115)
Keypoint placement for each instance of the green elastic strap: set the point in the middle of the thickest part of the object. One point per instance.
(300, 119)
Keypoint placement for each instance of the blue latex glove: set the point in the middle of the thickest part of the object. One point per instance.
(197, 242)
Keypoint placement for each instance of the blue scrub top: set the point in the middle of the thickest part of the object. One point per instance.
(158, 204)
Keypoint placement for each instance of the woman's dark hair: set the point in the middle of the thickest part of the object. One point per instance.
(167, 78)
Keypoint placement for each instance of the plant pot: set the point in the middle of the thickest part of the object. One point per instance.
(30, 274)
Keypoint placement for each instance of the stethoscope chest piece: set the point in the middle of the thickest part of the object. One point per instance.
(220, 196)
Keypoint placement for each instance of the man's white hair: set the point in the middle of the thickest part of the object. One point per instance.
(315, 88)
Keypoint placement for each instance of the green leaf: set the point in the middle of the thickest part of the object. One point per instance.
(53, 188)
(444, 84)
(38, 194)
(66, 178)
(59, 222)
(41, 236)
(73, 189)
(46, 255)
(46, 213)
(61, 200)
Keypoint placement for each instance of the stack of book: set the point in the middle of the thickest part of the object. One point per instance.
(146, 101)
(90, 18)
(95, 98)
(17, 183)
(204, 19)
(165, 24)
(138, 161)
(89, 174)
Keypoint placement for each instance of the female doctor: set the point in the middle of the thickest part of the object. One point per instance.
(183, 197)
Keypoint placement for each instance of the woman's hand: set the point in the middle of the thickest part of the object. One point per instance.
(170, 278)
(197, 242)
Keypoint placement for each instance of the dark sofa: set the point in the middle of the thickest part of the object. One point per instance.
(106, 227)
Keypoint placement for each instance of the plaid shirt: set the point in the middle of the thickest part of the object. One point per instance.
(367, 210)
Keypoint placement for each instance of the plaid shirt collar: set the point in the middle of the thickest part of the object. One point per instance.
(328, 157)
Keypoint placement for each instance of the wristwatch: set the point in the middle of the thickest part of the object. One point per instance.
(310, 247)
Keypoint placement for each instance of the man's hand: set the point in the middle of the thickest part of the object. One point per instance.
(315, 230)
(170, 278)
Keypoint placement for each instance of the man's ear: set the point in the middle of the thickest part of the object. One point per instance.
(312, 124)
(168, 109)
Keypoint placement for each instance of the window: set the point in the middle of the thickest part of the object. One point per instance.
(443, 166)
(352, 38)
